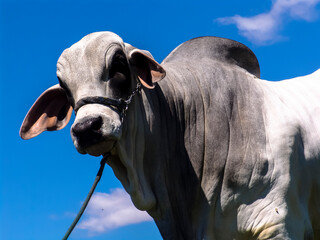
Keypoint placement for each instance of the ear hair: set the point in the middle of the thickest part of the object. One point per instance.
(146, 68)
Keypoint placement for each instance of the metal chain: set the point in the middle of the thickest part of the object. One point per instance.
(129, 100)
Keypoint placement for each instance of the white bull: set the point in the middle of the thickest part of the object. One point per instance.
(211, 151)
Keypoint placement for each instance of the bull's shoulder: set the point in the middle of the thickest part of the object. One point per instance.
(221, 49)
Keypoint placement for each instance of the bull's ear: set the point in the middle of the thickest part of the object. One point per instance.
(146, 68)
(51, 111)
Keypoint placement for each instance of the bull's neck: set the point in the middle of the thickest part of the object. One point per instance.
(181, 202)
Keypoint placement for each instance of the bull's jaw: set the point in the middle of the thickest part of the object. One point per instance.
(128, 168)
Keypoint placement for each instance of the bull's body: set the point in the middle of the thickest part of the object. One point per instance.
(213, 152)
(238, 156)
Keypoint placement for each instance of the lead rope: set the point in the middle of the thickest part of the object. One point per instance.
(84, 205)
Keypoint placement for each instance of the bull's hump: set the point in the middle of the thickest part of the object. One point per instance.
(220, 49)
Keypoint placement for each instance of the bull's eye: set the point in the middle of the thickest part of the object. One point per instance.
(118, 65)
(65, 88)
(119, 75)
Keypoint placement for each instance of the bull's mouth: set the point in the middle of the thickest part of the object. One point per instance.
(95, 138)
(98, 146)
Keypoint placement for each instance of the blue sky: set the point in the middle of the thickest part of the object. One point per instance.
(44, 180)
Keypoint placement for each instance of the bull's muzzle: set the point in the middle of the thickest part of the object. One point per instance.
(96, 129)
(88, 132)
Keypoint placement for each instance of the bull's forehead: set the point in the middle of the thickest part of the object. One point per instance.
(89, 50)
(84, 62)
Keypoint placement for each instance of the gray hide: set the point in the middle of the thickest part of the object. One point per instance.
(211, 151)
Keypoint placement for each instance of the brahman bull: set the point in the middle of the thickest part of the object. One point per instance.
(210, 152)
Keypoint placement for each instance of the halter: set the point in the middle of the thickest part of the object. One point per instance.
(120, 104)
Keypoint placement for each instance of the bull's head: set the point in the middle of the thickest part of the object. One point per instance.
(99, 66)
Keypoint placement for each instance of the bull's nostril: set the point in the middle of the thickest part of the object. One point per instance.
(88, 125)
(97, 123)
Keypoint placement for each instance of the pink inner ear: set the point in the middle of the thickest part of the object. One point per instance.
(158, 75)
(145, 84)
(147, 69)
(51, 111)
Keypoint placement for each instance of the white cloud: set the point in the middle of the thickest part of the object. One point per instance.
(110, 211)
(265, 28)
